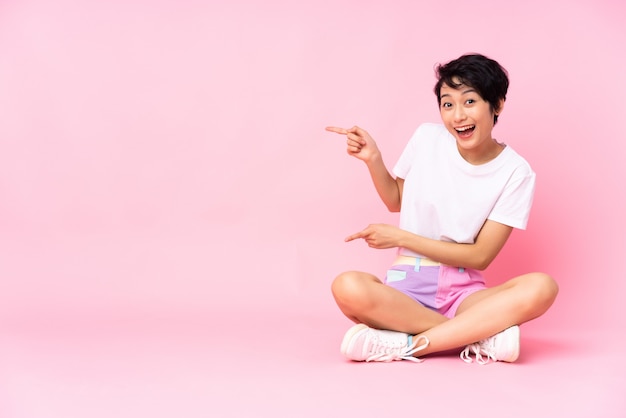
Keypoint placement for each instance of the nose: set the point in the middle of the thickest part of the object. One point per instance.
(459, 113)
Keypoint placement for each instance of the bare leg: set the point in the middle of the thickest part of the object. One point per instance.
(365, 299)
(490, 311)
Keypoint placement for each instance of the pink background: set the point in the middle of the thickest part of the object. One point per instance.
(164, 169)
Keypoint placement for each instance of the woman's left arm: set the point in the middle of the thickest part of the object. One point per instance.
(490, 240)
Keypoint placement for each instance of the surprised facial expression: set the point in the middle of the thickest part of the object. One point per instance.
(469, 118)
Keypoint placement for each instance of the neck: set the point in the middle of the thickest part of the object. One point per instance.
(488, 152)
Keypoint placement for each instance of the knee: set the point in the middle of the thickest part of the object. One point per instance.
(544, 290)
(348, 288)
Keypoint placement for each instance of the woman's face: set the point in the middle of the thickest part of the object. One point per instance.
(469, 118)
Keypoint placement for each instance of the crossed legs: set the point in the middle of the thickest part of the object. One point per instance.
(365, 299)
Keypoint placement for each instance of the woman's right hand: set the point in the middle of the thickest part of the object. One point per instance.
(359, 143)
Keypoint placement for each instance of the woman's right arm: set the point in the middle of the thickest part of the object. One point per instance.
(363, 147)
(389, 188)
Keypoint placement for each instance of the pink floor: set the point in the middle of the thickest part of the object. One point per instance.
(217, 364)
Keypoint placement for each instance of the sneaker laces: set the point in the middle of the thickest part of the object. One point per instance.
(387, 349)
(486, 347)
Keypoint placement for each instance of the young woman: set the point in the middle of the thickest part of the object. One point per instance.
(460, 192)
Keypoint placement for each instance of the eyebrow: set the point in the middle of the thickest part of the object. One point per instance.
(464, 92)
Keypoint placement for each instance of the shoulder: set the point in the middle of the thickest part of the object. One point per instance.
(429, 133)
(420, 149)
(518, 164)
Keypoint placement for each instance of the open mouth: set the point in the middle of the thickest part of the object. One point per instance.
(465, 131)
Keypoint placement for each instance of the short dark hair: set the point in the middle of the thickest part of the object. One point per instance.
(486, 76)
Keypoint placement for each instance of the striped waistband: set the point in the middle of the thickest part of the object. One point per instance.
(414, 261)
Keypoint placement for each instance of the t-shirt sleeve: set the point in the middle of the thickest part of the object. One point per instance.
(407, 158)
(513, 206)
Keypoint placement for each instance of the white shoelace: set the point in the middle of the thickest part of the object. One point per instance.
(485, 347)
(388, 349)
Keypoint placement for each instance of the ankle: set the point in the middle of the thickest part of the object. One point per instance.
(421, 344)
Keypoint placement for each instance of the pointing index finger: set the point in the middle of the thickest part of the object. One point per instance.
(353, 237)
(337, 130)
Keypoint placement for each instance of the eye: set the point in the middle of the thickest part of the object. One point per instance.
(446, 105)
(470, 101)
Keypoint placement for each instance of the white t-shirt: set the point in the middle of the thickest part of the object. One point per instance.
(448, 199)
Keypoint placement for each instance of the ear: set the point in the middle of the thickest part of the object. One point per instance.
(500, 107)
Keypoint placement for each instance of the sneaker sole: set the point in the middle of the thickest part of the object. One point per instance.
(346, 344)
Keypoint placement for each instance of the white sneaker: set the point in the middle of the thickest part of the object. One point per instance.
(362, 343)
(504, 346)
